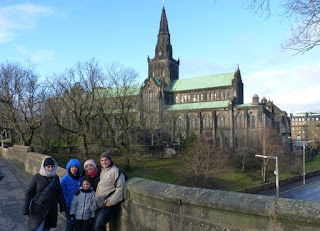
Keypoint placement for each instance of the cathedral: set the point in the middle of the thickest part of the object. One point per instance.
(210, 106)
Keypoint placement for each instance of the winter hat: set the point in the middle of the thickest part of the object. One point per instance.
(106, 155)
(48, 161)
(89, 161)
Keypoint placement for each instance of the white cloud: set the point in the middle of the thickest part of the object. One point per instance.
(15, 18)
(36, 56)
(293, 90)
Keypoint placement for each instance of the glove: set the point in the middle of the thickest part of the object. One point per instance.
(72, 217)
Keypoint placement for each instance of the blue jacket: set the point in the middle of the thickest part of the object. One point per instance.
(70, 183)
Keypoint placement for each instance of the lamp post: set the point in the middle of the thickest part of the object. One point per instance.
(276, 172)
(304, 160)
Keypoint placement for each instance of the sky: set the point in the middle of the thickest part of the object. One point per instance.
(208, 36)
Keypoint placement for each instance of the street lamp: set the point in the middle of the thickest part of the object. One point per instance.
(304, 160)
(276, 172)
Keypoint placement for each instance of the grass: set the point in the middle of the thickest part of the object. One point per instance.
(175, 171)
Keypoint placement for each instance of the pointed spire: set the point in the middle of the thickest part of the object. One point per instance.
(163, 48)
(163, 23)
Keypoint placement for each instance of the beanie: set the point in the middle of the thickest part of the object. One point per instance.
(106, 155)
(89, 161)
(48, 161)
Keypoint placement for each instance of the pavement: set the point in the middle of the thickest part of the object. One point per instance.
(12, 190)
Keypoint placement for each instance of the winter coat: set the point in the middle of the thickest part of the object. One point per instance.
(69, 182)
(80, 205)
(95, 180)
(46, 205)
(108, 190)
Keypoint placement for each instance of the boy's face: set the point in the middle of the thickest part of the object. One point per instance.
(86, 185)
(74, 170)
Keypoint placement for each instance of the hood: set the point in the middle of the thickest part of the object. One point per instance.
(43, 171)
(74, 162)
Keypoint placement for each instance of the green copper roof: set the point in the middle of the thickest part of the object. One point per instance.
(210, 81)
(116, 92)
(157, 81)
(201, 105)
(245, 105)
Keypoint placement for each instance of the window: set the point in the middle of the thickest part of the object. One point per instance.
(215, 96)
(317, 118)
(302, 119)
(201, 96)
(221, 95)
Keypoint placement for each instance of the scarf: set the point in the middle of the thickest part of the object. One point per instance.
(93, 173)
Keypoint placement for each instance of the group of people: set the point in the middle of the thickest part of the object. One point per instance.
(88, 198)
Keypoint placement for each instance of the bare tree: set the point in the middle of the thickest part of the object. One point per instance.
(22, 97)
(73, 100)
(305, 16)
(270, 144)
(119, 105)
(206, 162)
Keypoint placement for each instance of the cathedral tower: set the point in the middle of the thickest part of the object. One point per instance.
(163, 66)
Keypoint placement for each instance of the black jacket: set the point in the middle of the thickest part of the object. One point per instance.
(46, 205)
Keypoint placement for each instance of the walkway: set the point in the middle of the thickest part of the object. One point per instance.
(12, 189)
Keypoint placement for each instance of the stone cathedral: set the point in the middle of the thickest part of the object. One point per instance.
(210, 106)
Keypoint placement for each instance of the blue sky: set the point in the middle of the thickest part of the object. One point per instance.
(209, 37)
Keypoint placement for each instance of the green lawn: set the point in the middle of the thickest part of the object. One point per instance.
(175, 171)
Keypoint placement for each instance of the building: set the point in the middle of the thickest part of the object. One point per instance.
(305, 126)
(209, 106)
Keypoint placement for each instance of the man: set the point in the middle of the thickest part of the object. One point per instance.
(109, 192)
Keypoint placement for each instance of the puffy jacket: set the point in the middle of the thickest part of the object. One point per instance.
(80, 205)
(69, 183)
(108, 184)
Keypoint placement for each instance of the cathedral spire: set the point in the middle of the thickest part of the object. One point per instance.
(163, 67)
(163, 48)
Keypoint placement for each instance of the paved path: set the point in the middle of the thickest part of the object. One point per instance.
(12, 189)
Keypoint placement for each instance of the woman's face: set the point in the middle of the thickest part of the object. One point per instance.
(89, 168)
(49, 168)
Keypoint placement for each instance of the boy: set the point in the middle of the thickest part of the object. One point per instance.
(80, 206)
(69, 183)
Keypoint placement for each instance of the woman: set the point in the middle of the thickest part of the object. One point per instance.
(45, 192)
(93, 171)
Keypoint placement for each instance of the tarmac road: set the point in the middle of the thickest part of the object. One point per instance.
(309, 192)
(12, 189)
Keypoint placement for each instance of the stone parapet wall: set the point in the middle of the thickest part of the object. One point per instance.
(30, 160)
(151, 205)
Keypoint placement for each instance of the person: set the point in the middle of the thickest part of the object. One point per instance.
(80, 206)
(93, 171)
(109, 192)
(69, 183)
(45, 191)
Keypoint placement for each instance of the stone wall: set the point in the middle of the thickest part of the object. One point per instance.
(151, 205)
(156, 206)
(30, 160)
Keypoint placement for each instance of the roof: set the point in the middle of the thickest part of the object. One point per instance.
(219, 80)
(309, 113)
(121, 91)
(245, 105)
(195, 106)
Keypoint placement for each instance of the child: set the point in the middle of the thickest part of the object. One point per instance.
(80, 206)
(69, 183)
